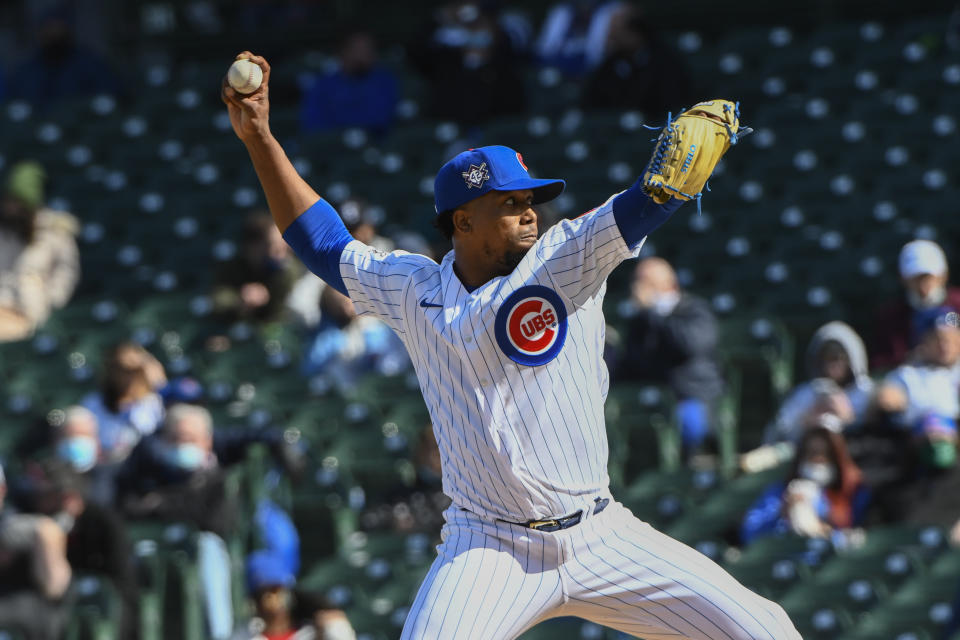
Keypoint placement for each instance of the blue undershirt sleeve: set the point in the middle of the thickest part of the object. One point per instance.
(318, 237)
(637, 215)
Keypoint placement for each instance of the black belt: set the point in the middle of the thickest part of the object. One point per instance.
(565, 522)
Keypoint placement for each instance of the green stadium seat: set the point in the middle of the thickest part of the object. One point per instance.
(761, 351)
(640, 419)
(770, 577)
(720, 516)
(810, 551)
(921, 608)
(183, 612)
(98, 607)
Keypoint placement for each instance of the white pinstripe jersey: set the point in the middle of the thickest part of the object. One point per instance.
(512, 373)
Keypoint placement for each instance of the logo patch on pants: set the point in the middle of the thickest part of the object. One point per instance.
(531, 325)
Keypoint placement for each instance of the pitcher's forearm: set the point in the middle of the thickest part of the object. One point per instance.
(288, 195)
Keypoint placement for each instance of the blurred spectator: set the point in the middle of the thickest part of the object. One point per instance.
(304, 300)
(839, 385)
(672, 340)
(348, 346)
(419, 507)
(823, 492)
(329, 622)
(34, 573)
(39, 261)
(357, 92)
(255, 284)
(923, 273)
(639, 70)
(174, 476)
(911, 441)
(128, 405)
(275, 532)
(270, 584)
(61, 68)
(468, 60)
(574, 35)
(953, 42)
(932, 496)
(279, 16)
(76, 441)
(930, 382)
(361, 220)
(97, 541)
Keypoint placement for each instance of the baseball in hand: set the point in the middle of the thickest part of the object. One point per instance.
(244, 76)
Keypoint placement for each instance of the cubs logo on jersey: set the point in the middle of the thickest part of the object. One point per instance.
(531, 325)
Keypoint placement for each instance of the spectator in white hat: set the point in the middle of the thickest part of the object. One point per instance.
(924, 274)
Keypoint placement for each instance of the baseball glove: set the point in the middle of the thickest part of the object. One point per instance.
(689, 148)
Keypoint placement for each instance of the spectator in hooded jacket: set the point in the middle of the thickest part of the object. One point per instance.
(839, 385)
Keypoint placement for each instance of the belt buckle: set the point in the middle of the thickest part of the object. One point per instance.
(537, 525)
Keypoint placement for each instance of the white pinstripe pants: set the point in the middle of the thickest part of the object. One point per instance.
(493, 580)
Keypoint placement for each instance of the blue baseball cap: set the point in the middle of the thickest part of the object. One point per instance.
(929, 319)
(266, 569)
(475, 172)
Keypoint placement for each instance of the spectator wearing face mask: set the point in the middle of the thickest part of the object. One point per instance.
(823, 493)
(839, 386)
(672, 340)
(175, 476)
(924, 275)
(76, 442)
(128, 405)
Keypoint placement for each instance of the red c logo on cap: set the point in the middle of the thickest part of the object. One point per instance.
(520, 160)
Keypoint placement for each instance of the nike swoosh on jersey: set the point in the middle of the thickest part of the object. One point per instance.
(424, 303)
